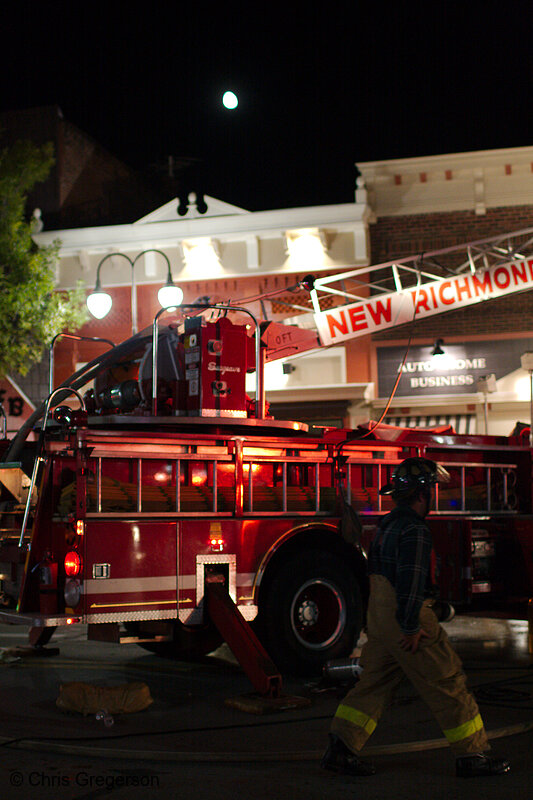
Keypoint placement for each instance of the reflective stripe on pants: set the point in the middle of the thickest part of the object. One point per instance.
(355, 717)
(465, 730)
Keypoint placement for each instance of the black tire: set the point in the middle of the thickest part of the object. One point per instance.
(311, 612)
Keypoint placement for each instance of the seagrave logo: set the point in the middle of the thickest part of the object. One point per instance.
(213, 367)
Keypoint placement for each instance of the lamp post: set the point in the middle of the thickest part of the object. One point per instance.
(526, 362)
(487, 385)
(99, 302)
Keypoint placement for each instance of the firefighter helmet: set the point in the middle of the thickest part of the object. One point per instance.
(414, 474)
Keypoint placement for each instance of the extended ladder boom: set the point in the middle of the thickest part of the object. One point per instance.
(366, 299)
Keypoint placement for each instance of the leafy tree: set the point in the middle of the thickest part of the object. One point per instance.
(31, 312)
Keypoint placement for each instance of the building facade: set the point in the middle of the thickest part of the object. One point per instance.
(402, 207)
(225, 253)
(423, 204)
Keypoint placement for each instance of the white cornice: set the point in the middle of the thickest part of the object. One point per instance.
(130, 237)
(452, 182)
(469, 160)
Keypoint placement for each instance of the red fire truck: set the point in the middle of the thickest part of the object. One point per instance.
(168, 477)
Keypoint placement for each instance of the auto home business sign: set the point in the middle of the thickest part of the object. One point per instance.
(456, 372)
(384, 311)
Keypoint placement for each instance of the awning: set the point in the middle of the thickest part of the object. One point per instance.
(318, 393)
(461, 423)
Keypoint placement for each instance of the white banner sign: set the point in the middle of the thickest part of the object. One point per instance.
(397, 308)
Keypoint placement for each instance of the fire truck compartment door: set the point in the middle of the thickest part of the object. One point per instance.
(131, 570)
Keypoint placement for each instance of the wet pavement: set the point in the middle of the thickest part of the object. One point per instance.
(190, 744)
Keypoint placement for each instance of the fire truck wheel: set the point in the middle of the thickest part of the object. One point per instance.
(312, 612)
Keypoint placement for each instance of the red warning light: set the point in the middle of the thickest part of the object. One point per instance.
(216, 544)
(72, 564)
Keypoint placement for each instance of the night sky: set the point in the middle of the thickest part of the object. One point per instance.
(321, 85)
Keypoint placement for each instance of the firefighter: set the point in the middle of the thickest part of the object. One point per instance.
(405, 638)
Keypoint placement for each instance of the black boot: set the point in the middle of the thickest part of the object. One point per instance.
(339, 759)
(477, 765)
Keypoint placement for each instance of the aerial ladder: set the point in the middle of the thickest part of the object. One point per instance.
(363, 300)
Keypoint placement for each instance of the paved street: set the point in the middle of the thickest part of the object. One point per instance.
(190, 744)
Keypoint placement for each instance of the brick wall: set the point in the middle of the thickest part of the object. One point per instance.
(407, 235)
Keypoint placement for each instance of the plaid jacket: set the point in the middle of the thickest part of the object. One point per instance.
(401, 551)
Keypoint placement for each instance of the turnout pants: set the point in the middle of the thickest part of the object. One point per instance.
(435, 671)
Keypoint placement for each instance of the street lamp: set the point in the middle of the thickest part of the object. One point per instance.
(169, 294)
(99, 302)
(437, 349)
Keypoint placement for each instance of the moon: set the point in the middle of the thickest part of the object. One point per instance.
(230, 100)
